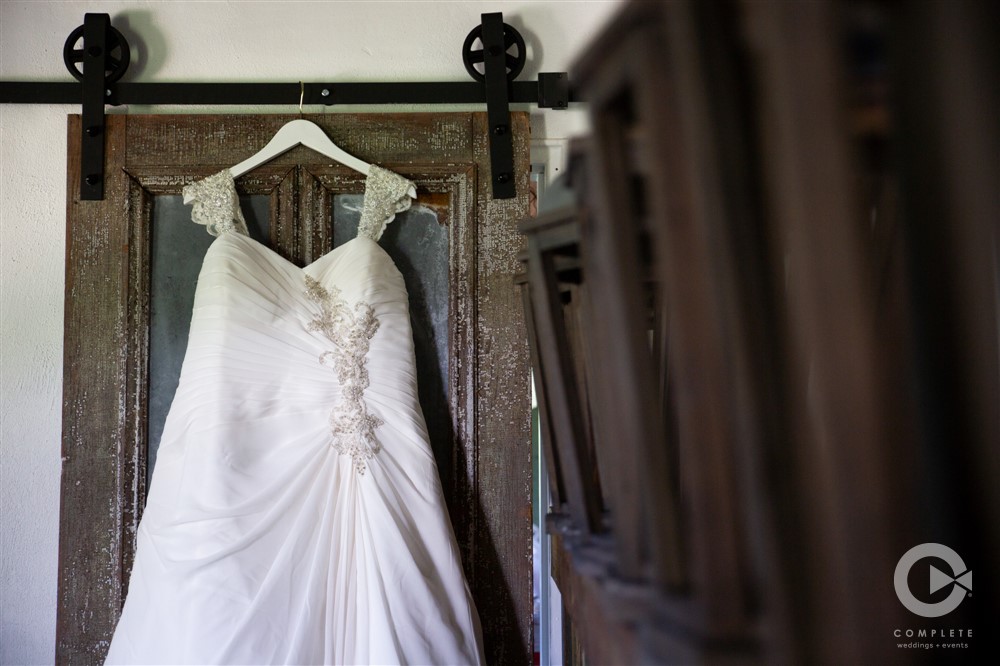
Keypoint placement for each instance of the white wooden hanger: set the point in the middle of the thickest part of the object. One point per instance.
(294, 133)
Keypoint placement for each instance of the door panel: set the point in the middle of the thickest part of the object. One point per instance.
(126, 331)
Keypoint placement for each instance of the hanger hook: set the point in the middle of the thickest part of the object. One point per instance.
(302, 95)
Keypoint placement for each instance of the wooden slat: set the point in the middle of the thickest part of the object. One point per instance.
(576, 325)
(134, 457)
(285, 227)
(847, 461)
(694, 267)
(546, 434)
(94, 502)
(614, 271)
(502, 581)
(559, 379)
(200, 139)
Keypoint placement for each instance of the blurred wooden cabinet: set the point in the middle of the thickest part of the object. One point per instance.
(765, 336)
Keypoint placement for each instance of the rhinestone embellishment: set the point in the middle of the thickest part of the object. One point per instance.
(350, 331)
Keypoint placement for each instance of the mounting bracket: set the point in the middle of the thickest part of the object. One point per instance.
(95, 58)
(498, 107)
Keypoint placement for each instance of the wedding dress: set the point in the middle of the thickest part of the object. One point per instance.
(295, 513)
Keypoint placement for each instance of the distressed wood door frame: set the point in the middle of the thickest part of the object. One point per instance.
(487, 476)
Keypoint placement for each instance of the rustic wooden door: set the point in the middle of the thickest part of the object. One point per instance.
(132, 261)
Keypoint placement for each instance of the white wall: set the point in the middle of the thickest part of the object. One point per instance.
(178, 41)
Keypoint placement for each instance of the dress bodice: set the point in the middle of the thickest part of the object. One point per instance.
(336, 307)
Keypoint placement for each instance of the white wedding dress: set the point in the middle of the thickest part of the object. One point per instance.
(295, 513)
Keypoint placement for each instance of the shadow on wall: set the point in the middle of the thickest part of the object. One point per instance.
(147, 44)
(533, 45)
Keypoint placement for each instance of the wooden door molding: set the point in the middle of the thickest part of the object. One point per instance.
(485, 468)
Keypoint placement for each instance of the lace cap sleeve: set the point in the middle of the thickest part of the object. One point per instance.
(386, 194)
(216, 204)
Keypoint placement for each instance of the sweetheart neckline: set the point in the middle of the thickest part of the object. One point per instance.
(302, 269)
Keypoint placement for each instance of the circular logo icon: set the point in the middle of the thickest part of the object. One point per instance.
(960, 579)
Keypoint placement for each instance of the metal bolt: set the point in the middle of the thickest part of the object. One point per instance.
(93, 130)
(92, 179)
(500, 129)
(324, 92)
(107, 93)
(503, 178)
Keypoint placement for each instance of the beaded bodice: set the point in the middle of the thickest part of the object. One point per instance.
(346, 329)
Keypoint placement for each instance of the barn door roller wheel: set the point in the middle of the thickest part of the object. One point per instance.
(514, 61)
(117, 56)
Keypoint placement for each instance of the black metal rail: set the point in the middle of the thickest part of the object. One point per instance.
(98, 86)
(329, 94)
